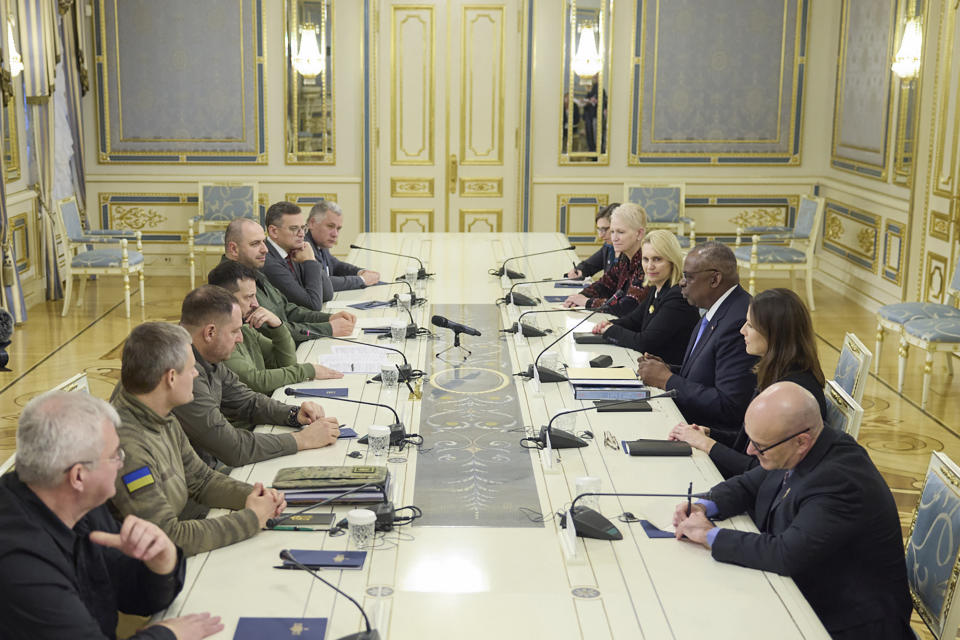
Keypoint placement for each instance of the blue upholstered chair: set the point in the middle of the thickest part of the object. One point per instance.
(843, 412)
(664, 206)
(795, 255)
(219, 204)
(894, 316)
(933, 548)
(85, 254)
(853, 367)
(932, 335)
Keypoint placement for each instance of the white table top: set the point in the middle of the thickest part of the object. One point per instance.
(483, 582)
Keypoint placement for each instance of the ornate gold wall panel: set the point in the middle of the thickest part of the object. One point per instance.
(894, 246)
(939, 225)
(851, 234)
(412, 99)
(935, 278)
(576, 216)
(481, 220)
(307, 200)
(481, 86)
(162, 217)
(948, 109)
(718, 216)
(411, 187)
(411, 220)
(481, 187)
(20, 238)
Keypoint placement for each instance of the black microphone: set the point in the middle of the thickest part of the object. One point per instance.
(405, 369)
(421, 274)
(397, 431)
(530, 331)
(526, 301)
(456, 327)
(515, 275)
(548, 375)
(590, 524)
(273, 522)
(369, 634)
(560, 439)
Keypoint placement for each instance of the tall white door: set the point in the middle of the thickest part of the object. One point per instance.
(448, 115)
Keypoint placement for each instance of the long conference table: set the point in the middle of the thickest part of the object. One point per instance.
(480, 564)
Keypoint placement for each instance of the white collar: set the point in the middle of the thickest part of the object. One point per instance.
(280, 250)
(716, 305)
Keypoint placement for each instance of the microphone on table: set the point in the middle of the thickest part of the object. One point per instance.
(421, 274)
(456, 327)
(522, 300)
(516, 275)
(405, 369)
(397, 431)
(549, 375)
(590, 524)
(414, 300)
(273, 522)
(369, 634)
(560, 439)
(530, 331)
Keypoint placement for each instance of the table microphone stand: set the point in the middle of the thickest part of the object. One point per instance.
(456, 345)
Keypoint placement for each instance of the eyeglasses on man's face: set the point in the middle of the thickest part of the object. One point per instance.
(118, 457)
(762, 450)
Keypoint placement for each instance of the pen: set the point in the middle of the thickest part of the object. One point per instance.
(689, 498)
(290, 529)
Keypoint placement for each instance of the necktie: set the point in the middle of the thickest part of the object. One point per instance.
(290, 265)
(703, 325)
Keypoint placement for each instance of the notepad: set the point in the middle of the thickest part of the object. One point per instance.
(260, 628)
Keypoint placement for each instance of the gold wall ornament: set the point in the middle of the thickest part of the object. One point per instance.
(759, 218)
(866, 240)
(411, 187)
(481, 187)
(834, 229)
(136, 218)
(939, 225)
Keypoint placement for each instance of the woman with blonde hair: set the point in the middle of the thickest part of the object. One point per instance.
(621, 288)
(662, 323)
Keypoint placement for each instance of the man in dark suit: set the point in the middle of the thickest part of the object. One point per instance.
(323, 230)
(716, 381)
(291, 265)
(825, 515)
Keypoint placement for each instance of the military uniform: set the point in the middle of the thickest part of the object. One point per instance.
(219, 398)
(267, 359)
(162, 470)
(303, 323)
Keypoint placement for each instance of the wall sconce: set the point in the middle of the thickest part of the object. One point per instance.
(16, 62)
(587, 62)
(906, 64)
(308, 62)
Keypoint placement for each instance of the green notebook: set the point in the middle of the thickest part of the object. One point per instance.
(329, 477)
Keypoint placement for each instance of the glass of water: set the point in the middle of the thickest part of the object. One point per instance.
(378, 439)
(361, 523)
(398, 330)
(389, 376)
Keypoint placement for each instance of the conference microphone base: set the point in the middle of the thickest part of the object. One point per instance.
(521, 300)
(373, 634)
(561, 439)
(405, 371)
(590, 524)
(513, 275)
(546, 375)
(529, 331)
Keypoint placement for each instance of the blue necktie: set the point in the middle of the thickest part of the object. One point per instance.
(703, 325)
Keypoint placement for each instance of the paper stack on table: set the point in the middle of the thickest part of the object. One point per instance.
(359, 359)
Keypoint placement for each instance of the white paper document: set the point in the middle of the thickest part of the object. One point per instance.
(359, 359)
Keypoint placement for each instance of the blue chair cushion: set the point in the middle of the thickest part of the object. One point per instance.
(104, 258)
(934, 329)
(684, 241)
(904, 312)
(772, 254)
(209, 238)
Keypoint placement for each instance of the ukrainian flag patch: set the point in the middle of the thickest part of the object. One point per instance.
(138, 479)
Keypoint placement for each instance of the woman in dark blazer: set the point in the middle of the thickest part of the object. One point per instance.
(662, 322)
(779, 330)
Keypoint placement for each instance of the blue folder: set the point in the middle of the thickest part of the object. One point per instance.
(300, 628)
(317, 559)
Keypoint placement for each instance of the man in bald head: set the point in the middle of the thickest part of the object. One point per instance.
(825, 515)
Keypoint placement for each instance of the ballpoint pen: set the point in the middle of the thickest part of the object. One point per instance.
(689, 498)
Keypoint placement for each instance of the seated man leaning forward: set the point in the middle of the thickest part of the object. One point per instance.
(212, 317)
(323, 231)
(161, 469)
(244, 242)
(66, 566)
(267, 358)
(291, 265)
(825, 515)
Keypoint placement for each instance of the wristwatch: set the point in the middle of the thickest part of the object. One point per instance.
(292, 418)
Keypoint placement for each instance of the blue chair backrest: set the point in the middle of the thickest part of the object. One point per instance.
(806, 214)
(933, 545)
(955, 281)
(226, 202)
(71, 219)
(662, 204)
(846, 371)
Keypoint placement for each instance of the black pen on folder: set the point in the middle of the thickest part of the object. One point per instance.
(689, 498)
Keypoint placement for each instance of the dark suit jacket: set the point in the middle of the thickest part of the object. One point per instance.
(729, 452)
(663, 332)
(716, 381)
(833, 528)
(342, 275)
(307, 285)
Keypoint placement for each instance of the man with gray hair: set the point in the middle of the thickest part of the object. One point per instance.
(323, 231)
(161, 469)
(825, 515)
(66, 566)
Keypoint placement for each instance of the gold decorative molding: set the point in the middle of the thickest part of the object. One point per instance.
(412, 122)
(481, 187)
(411, 187)
(834, 228)
(136, 217)
(866, 240)
(939, 225)
(482, 70)
(759, 218)
(481, 220)
(566, 207)
(411, 220)
(935, 277)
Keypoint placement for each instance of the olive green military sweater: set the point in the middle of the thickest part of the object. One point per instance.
(267, 359)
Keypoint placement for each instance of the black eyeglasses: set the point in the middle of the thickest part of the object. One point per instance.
(687, 274)
(119, 456)
(762, 450)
